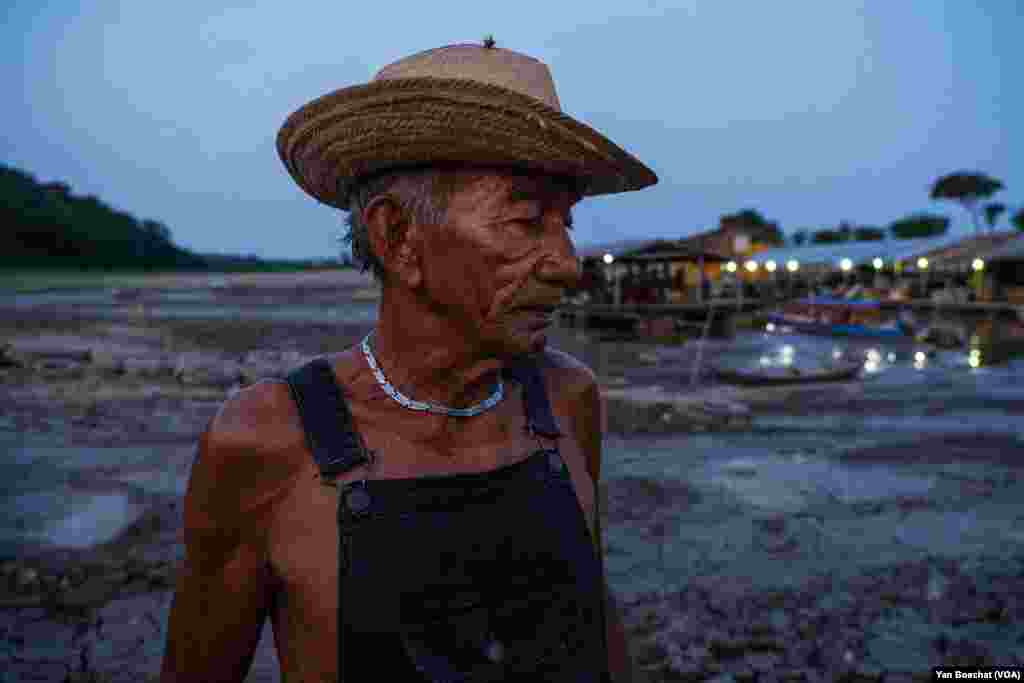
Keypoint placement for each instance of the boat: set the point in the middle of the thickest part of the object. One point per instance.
(785, 375)
(944, 336)
(838, 317)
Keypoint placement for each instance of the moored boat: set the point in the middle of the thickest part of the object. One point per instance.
(838, 317)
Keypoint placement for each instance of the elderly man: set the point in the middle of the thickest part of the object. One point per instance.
(423, 506)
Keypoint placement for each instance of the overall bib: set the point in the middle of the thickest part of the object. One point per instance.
(474, 577)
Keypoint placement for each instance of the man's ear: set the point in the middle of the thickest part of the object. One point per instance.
(393, 238)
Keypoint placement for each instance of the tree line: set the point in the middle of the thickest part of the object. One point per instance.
(969, 189)
(47, 226)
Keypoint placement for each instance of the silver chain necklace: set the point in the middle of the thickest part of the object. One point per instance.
(406, 402)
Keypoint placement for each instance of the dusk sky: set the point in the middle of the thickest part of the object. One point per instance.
(811, 112)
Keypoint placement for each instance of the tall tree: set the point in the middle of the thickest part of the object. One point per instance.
(867, 233)
(1018, 220)
(826, 236)
(967, 189)
(919, 225)
(992, 213)
(751, 220)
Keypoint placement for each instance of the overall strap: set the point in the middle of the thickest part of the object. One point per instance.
(539, 418)
(336, 447)
(326, 419)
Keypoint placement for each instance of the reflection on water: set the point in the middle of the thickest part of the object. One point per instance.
(899, 357)
(981, 342)
(65, 517)
(76, 496)
(92, 520)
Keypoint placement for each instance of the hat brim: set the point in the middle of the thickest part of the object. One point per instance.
(365, 129)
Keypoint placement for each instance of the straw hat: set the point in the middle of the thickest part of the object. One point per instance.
(461, 103)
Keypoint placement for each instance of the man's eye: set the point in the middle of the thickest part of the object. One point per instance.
(537, 222)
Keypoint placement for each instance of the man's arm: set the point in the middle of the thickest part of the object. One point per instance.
(225, 587)
(588, 424)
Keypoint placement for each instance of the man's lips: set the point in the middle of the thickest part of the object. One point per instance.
(540, 309)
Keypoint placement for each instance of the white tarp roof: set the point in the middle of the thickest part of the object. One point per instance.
(888, 250)
(1011, 251)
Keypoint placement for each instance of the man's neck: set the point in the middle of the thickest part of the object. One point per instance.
(428, 358)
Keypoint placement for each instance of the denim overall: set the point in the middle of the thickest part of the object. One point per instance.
(471, 577)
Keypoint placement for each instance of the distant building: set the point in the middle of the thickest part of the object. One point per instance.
(736, 237)
(668, 271)
(647, 271)
(1007, 266)
(949, 252)
(961, 255)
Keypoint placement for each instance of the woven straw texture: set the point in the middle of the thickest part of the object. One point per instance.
(453, 104)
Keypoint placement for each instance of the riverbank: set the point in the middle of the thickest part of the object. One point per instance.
(865, 530)
(27, 281)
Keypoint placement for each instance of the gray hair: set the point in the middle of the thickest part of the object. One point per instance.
(423, 193)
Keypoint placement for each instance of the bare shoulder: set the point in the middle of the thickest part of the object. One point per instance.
(570, 375)
(570, 382)
(257, 435)
(576, 394)
(257, 422)
(250, 452)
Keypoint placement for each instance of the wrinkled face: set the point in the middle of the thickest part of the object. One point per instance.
(503, 259)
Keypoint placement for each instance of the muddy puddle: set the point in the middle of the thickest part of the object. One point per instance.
(55, 494)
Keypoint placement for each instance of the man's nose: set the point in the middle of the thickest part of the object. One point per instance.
(559, 265)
